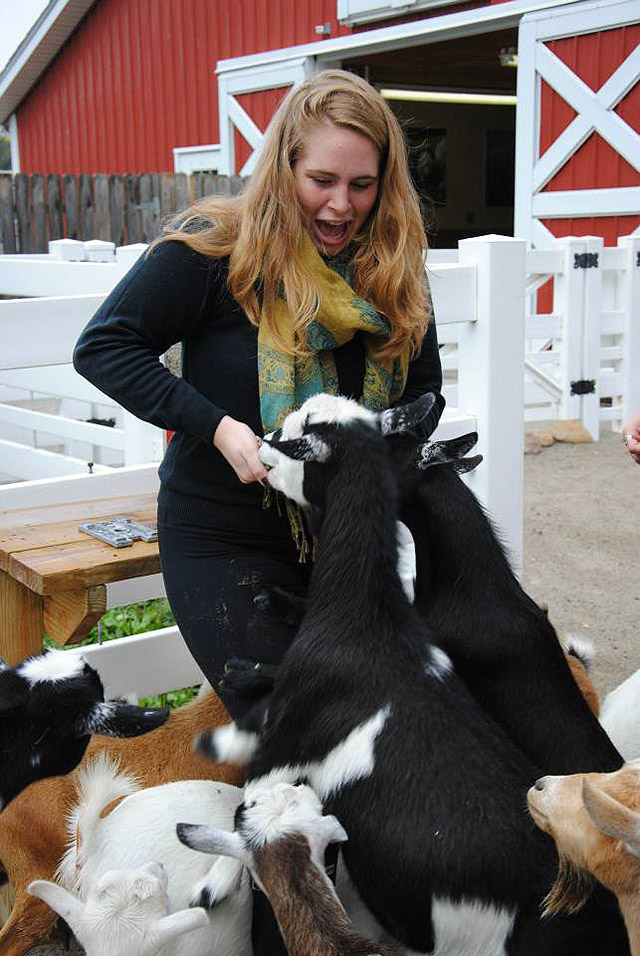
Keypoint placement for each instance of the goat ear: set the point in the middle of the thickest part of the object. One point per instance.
(334, 829)
(171, 927)
(307, 448)
(404, 418)
(612, 817)
(65, 904)
(449, 453)
(114, 719)
(207, 840)
(463, 465)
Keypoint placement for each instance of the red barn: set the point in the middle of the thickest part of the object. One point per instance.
(124, 86)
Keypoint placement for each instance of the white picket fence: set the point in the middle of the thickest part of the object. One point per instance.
(581, 360)
(480, 294)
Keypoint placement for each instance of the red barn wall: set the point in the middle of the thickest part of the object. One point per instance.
(136, 79)
(594, 58)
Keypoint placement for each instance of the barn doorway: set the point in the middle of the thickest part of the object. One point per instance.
(462, 154)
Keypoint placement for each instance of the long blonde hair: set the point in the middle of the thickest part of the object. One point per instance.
(261, 230)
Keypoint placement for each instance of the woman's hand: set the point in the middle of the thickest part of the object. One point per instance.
(631, 437)
(239, 445)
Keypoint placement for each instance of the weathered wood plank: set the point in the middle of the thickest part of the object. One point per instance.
(167, 196)
(7, 224)
(71, 207)
(102, 221)
(23, 212)
(82, 564)
(14, 541)
(69, 616)
(54, 207)
(183, 191)
(21, 623)
(40, 224)
(118, 199)
(87, 208)
(132, 212)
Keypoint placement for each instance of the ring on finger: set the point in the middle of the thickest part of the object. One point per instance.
(627, 439)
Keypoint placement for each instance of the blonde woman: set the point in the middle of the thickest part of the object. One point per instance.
(311, 280)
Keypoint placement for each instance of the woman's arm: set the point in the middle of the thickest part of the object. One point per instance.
(159, 302)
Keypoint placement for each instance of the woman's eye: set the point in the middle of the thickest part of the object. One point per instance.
(321, 182)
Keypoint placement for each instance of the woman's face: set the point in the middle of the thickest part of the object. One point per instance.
(337, 179)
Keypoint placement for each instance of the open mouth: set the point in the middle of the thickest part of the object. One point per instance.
(332, 232)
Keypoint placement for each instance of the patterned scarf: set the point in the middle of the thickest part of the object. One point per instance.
(286, 381)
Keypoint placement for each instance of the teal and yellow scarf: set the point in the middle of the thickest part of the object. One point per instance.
(286, 381)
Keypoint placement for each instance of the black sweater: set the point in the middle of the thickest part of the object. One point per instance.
(178, 295)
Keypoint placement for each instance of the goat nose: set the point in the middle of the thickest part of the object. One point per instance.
(539, 784)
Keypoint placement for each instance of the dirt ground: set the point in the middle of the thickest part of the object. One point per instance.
(582, 548)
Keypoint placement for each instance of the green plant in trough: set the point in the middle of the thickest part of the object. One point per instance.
(136, 619)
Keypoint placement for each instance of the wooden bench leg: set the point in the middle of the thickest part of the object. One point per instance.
(21, 620)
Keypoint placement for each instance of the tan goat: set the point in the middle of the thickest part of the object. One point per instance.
(595, 820)
(33, 827)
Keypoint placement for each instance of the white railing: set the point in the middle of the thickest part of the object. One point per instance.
(581, 360)
(52, 422)
(481, 297)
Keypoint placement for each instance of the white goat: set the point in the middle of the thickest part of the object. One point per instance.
(32, 826)
(620, 716)
(281, 835)
(595, 820)
(126, 912)
(142, 827)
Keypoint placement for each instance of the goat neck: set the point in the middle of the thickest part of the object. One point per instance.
(360, 507)
(312, 921)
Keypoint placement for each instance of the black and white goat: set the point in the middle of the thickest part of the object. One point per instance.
(501, 643)
(49, 707)
(366, 708)
(281, 835)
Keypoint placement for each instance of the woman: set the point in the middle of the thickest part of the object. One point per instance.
(238, 282)
(311, 280)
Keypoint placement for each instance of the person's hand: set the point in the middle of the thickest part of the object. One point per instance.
(239, 445)
(631, 437)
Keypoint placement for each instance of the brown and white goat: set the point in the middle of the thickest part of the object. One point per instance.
(281, 835)
(595, 820)
(33, 827)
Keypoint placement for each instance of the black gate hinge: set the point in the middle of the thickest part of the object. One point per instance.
(585, 260)
(584, 386)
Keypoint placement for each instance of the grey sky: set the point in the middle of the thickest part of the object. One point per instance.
(16, 18)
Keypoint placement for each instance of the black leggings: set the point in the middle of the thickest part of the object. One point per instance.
(212, 576)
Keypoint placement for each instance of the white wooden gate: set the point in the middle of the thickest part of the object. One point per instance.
(594, 113)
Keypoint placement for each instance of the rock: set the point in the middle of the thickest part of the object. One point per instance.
(532, 443)
(571, 430)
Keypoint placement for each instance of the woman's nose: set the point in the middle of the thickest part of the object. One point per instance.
(339, 199)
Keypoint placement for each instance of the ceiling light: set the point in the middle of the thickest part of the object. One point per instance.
(433, 96)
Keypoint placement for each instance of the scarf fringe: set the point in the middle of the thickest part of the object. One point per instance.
(304, 542)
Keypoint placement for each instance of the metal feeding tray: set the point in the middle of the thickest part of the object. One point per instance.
(119, 532)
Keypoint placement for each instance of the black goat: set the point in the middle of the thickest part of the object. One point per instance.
(501, 643)
(49, 707)
(428, 787)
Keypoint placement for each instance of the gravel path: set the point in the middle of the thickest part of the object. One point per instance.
(582, 548)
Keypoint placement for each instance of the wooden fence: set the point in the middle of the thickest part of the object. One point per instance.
(37, 208)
